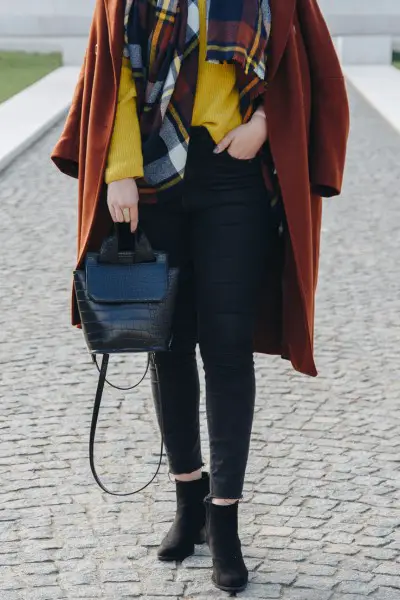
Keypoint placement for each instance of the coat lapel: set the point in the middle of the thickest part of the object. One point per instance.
(115, 12)
(282, 22)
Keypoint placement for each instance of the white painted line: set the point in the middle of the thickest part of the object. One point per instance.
(380, 86)
(24, 118)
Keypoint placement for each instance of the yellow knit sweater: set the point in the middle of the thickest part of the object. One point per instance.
(216, 108)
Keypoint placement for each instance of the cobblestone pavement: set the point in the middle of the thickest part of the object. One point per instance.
(321, 515)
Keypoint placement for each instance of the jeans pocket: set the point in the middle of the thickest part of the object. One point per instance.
(244, 161)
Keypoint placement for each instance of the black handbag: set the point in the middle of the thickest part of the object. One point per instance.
(126, 300)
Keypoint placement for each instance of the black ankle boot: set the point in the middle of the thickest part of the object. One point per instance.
(229, 571)
(188, 528)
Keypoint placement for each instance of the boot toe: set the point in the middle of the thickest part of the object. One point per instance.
(172, 556)
(229, 580)
(170, 551)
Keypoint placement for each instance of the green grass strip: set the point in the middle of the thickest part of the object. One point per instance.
(18, 70)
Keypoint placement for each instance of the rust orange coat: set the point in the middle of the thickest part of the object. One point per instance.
(308, 117)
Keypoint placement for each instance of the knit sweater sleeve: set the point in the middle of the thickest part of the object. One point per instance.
(125, 157)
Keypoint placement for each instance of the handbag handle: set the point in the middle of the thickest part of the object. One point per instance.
(96, 409)
(110, 252)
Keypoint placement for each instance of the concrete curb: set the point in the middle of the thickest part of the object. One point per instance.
(24, 118)
(380, 86)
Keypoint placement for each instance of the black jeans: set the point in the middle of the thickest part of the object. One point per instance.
(219, 232)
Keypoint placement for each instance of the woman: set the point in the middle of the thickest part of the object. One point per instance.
(184, 121)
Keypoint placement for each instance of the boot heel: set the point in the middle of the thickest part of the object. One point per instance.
(189, 524)
(229, 570)
(202, 537)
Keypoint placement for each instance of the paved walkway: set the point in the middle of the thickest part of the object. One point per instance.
(322, 511)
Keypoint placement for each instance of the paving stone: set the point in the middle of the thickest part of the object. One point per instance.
(373, 542)
(388, 580)
(340, 537)
(380, 553)
(306, 594)
(255, 590)
(47, 568)
(158, 597)
(277, 531)
(214, 595)
(273, 566)
(353, 575)
(310, 545)
(124, 590)
(308, 534)
(348, 597)
(386, 594)
(356, 587)
(289, 555)
(11, 584)
(45, 593)
(319, 570)
(77, 578)
(279, 577)
(314, 581)
(163, 588)
(388, 569)
(120, 576)
(306, 522)
(11, 595)
(269, 499)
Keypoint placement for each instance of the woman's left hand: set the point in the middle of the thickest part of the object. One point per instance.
(245, 141)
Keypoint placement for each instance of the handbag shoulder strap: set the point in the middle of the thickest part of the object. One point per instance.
(95, 417)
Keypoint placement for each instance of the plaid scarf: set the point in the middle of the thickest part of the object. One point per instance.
(162, 43)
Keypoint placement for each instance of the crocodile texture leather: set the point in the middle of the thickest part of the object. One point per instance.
(126, 307)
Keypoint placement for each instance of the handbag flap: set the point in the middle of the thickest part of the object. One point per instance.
(126, 283)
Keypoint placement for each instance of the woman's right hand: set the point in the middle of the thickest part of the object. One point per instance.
(123, 200)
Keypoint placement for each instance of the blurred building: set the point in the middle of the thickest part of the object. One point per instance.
(46, 26)
(365, 31)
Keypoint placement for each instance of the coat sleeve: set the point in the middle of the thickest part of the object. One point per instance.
(330, 110)
(125, 158)
(66, 153)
